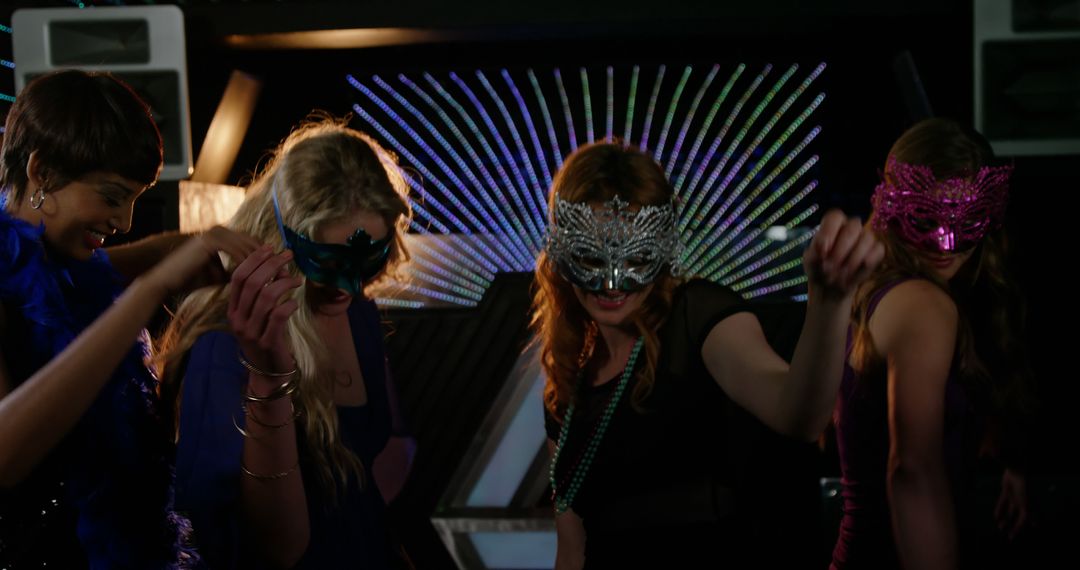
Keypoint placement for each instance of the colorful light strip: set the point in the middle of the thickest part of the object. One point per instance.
(652, 107)
(419, 188)
(509, 221)
(691, 213)
(477, 225)
(534, 193)
(586, 99)
(547, 120)
(471, 166)
(566, 110)
(631, 100)
(678, 182)
(524, 109)
(671, 112)
(674, 157)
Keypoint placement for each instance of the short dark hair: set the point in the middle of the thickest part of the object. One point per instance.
(79, 122)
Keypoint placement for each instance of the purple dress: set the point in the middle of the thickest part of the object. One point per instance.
(350, 533)
(861, 418)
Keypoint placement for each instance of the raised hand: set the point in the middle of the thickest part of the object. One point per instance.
(259, 308)
(841, 255)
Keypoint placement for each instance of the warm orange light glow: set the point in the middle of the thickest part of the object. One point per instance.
(204, 205)
(227, 129)
(341, 39)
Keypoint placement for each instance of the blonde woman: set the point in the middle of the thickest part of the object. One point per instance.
(284, 397)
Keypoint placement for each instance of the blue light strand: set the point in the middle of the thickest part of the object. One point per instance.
(765, 159)
(566, 110)
(735, 168)
(540, 156)
(418, 209)
(722, 231)
(766, 275)
(724, 255)
(699, 196)
(610, 123)
(445, 285)
(555, 151)
(779, 252)
(419, 165)
(721, 267)
(515, 217)
(535, 198)
(440, 275)
(428, 198)
(784, 162)
(774, 288)
(630, 102)
(391, 303)
(455, 277)
(674, 157)
(586, 97)
(678, 184)
(489, 216)
(652, 107)
(466, 267)
(765, 131)
(439, 295)
(679, 88)
(511, 226)
(522, 188)
(485, 273)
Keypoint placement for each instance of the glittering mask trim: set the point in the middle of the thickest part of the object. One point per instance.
(613, 247)
(342, 266)
(941, 216)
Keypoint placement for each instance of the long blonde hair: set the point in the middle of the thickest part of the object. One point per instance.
(322, 172)
(569, 343)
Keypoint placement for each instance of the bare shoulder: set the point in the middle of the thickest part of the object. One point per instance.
(916, 309)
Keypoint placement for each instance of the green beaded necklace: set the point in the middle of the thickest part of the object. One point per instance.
(562, 504)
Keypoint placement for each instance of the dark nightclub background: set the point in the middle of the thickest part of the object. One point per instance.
(888, 65)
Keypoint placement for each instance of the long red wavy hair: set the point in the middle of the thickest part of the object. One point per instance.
(569, 344)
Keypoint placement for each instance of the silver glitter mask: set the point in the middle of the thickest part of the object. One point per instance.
(611, 247)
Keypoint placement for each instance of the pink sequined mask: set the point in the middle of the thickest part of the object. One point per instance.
(940, 216)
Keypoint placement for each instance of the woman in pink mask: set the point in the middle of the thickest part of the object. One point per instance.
(932, 353)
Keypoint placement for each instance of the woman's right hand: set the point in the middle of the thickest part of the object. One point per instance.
(258, 309)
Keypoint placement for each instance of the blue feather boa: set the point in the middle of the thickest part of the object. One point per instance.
(116, 464)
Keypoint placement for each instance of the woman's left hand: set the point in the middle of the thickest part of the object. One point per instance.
(842, 254)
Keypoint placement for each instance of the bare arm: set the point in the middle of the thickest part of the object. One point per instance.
(36, 415)
(272, 488)
(570, 533)
(133, 259)
(915, 327)
(797, 400)
(393, 464)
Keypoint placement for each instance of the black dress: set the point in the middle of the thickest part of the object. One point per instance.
(661, 489)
